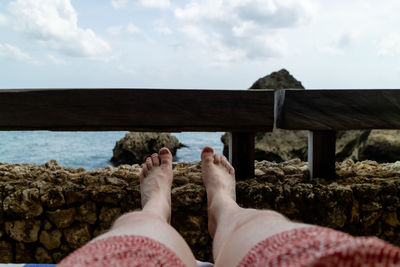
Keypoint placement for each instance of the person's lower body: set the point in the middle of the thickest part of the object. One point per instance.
(241, 237)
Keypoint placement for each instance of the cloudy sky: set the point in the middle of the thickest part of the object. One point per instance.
(212, 44)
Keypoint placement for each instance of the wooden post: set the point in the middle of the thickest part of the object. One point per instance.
(321, 154)
(241, 154)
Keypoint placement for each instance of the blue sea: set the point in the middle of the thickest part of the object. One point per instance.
(89, 150)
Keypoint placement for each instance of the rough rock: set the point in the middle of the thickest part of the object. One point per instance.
(381, 146)
(277, 80)
(50, 239)
(43, 256)
(23, 231)
(86, 212)
(6, 252)
(24, 253)
(24, 203)
(363, 200)
(77, 235)
(109, 214)
(135, 147)
(62, 218)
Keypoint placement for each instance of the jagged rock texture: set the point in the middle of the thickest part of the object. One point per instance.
(47, 211)
(134, 147)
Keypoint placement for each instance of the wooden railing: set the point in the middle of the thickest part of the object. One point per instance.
(239, 112)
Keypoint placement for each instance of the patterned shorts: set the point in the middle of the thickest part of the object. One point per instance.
(308, 246)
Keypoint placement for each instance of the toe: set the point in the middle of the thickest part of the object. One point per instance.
(231, 171)
(165, 156)
(144, 171)
(225, 162)
(155, 159)
(149, 163)
(217, 158)
(207, 154)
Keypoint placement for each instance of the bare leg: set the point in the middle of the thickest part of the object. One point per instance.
(234, 230)
(153, 220)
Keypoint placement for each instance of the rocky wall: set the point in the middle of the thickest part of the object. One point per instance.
(47, 211)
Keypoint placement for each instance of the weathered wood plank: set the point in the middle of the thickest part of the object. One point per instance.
(136, 110)
(337, 109)
(321, 154)
(241, 154)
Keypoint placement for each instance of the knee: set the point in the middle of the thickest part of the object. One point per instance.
(135, 217)
(252, 216)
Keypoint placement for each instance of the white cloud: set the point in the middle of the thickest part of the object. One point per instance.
(390, 46)
(155, 3)
(246, 28)
(118, 30)
(338, 44)
(3, 20)
(55, 60)
(11, 52)
(162, 4)
(131, 28)
(54, 24)
(161, 27)
(114, 30)
(118, 3)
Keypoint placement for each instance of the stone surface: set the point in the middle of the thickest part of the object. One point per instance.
(62, 218)
(381, 146)
(86, 212)
(135, 147)
(24, 253)
(43, 256)
(109, 214)
(77, 235)
(277, 80)
(6, 252)
(23, 203)
(50, 239)
(23, 231)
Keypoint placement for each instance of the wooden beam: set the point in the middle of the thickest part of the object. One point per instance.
(321, 154)
(136, 110)
(321, 110)
(241, 154)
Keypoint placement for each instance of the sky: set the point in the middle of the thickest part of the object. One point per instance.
(199, 44)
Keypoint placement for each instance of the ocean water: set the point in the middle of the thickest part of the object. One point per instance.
(89, 150)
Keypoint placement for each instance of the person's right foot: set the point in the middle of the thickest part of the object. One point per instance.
(219, 180)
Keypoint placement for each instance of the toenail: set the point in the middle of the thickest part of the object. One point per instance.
(164, 151)
(208, 149)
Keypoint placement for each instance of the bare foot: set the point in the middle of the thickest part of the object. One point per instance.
(219, 180)
(155, 184)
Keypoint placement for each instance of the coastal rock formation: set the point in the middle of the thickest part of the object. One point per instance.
(381, 146)
(282, 145)
(277, 80)
(363, 200)
(135, 147)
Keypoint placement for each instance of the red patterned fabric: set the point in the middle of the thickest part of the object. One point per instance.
(318, 246)
(126, 250)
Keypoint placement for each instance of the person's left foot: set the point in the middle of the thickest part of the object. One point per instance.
(155, 184)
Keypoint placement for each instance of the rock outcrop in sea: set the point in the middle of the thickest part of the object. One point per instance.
(282, 145)
(135, 147)
(47, 211)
